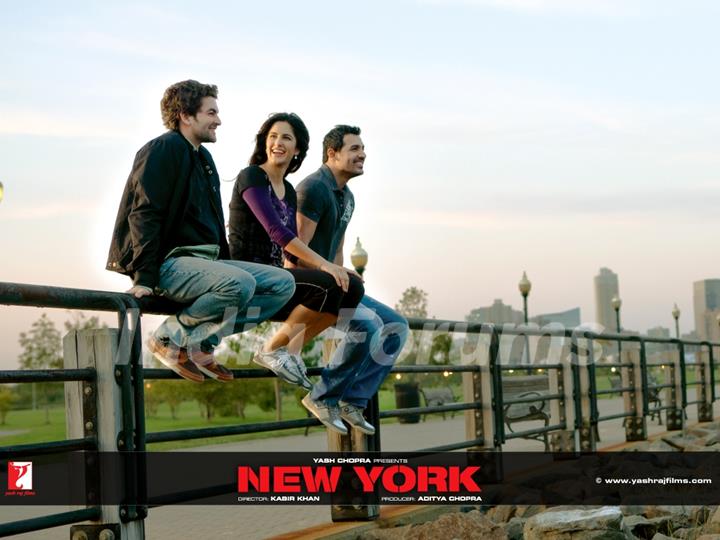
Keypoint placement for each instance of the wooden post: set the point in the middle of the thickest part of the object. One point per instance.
(477, 387)
(95, 409)
(704, 392)
(367, 506)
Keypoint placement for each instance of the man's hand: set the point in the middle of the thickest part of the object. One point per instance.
(138, 291)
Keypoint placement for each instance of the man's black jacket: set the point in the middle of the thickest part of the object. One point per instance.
(154, 204)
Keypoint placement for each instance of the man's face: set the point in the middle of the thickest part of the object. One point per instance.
(350, 159)
(202, 126)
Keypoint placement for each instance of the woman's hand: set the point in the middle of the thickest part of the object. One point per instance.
(338, 272)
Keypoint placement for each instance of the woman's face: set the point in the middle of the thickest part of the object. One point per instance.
(281, 145)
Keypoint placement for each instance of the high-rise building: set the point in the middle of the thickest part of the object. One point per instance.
(498, 313)
(569, 318)
(706, 304)
(606, 287)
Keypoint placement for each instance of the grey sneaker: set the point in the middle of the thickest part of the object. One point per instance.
(302, 368)
(282, 364)
(353, 415)
(327, 414)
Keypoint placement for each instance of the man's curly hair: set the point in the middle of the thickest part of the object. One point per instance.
(184, 97)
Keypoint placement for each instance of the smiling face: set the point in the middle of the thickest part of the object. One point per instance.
(349, 161)
(201, 127)
(281, 145)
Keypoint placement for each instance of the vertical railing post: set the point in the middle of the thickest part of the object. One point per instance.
(636, 423)
(477, 388)
(367, 506)
(704, 395)
(585, 424)
(673, 394)
(561, 382)
(98, 410)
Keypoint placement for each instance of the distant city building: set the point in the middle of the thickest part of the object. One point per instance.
(658, 332)
(569, 318)
(606, 287)
(497, 313)
(706, 304)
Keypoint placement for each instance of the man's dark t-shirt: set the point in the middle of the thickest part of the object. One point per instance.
(321, 200)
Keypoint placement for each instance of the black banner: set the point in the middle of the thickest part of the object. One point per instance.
(466, 478)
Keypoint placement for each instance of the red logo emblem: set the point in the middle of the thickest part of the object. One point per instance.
(20, 476)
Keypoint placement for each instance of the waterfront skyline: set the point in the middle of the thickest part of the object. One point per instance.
(549, 136)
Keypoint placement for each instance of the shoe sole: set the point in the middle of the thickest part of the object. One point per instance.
(213, 375)
(192, 377)
(360, 428)
(328, 425)
(281, 376)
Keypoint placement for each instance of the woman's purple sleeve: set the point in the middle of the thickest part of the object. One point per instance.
(258, 200)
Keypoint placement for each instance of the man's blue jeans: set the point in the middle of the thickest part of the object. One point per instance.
(374, 337)
(225, 296)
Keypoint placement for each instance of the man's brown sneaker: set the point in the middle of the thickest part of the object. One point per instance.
(205, 362)
(175, 358)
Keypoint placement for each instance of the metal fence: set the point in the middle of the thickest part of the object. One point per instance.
(104, 371)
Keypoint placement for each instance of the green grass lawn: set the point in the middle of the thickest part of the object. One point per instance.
(29, 426)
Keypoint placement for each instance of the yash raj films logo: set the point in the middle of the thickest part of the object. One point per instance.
(20, 478)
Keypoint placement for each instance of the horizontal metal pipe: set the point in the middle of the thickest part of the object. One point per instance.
(53, 447)
(392, 413)
(614, 416)
(453, 446)
(46, 375)
(47, 522)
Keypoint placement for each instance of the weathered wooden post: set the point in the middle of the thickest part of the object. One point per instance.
(95, 409)
(636, 424)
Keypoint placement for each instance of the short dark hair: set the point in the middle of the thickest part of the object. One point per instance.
(184, 97)
(334, 138)
(302, 136)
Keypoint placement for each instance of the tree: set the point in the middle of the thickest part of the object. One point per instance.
(7, 397)
(78, 321)
(413, 303)
(42, 350)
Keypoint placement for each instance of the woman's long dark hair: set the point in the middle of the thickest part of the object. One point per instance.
(259, 155)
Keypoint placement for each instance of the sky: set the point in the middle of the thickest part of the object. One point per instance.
(548, 136)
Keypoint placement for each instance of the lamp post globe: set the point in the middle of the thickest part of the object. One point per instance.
(359, 257)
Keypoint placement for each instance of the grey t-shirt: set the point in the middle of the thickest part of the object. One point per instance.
(320, 199)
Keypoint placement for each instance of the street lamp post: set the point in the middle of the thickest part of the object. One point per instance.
(616, 303)
(676, 316)
(524, 286)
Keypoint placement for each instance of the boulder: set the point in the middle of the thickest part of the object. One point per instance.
(562, 523)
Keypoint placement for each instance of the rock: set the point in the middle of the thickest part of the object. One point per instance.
(699, 514)
(514, 528)
(659, 536)
(632, 510)
(709, 537)
(562, 523)
(468, 526)
(712, 439)
(529, 511)
(687, 534)
(501, 514)
(661, 446)
(698, 431)
(640, 526)
(712, 524)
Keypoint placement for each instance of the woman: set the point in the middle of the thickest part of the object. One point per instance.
(263, 230)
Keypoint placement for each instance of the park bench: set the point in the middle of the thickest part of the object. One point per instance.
(435, 397)
(521, 387)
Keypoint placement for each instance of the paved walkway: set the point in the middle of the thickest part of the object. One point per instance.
(261, 522)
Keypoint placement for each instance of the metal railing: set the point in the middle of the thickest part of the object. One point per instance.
(482, 372)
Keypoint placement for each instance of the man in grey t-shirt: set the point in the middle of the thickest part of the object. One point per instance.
(359, 366)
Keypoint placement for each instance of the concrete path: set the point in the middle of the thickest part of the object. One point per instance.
(261, 522)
